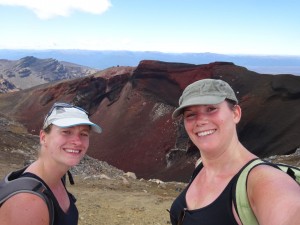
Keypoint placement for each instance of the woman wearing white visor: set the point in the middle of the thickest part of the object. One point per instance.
(64, 141)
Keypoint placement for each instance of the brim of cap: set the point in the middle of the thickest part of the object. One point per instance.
(199, 100)
(70, 122)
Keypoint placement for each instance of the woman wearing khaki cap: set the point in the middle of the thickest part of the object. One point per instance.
(64, 141)
(210, 113)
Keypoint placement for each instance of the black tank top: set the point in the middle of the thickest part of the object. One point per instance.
(60, 217)
(217, 213)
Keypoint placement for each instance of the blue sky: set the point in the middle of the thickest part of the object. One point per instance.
(257, 27)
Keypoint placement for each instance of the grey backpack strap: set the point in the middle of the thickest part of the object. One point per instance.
(12, 184)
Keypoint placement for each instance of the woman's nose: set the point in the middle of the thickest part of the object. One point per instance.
(76, 139)
(201, 119)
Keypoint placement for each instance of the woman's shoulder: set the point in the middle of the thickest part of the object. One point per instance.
(266, 175)
(268, 187)
(25, 208)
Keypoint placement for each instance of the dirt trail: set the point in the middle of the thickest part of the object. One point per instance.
(118, 202)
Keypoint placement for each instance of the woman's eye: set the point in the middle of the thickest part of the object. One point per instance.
(189, 115)
(210, 109)
(66, 131)
(85, 134)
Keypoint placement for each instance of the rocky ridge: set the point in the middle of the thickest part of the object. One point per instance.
(30, 71)
(6, 86)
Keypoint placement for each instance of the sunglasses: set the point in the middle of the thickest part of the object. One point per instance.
(58, 105)
(180, 218)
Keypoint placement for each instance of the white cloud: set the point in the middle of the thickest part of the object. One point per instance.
(46, 9)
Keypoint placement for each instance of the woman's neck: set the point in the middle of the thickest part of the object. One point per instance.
(229, 160)
(50, 173)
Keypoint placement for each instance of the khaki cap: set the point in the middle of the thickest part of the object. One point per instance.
(204, 92)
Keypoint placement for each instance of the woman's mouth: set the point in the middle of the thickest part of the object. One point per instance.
(74, 151)
(205, 133)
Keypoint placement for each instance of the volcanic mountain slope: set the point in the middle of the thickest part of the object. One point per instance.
(30, 71)
(6, 86)
(134, 108)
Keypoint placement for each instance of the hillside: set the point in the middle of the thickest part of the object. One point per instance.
(6, 86)
(31, 71)
(134, 106)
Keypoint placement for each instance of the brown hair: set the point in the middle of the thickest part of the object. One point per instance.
(47, 129)
(231, 104)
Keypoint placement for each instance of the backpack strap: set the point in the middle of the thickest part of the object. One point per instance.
(292, 171)
(240, 197)
(13, 184)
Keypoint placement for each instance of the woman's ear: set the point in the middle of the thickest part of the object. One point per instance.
(42, 137)
(237, 111)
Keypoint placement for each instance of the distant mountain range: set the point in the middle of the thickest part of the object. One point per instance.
(105, 59)
(31, 71)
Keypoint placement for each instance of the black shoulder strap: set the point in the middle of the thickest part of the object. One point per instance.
(13, 184)
(196, 171)
(71, 180)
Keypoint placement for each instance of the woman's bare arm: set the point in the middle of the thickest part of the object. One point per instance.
(25, 209)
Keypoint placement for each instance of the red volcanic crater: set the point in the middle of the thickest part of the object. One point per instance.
(134, 107)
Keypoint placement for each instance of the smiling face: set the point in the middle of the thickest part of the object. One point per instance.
(66, 145)
(212, 128)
